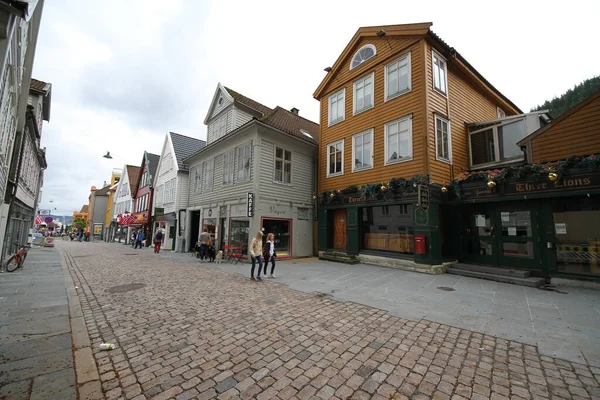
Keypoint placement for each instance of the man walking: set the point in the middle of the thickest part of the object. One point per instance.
(158, 240)
(139, 239)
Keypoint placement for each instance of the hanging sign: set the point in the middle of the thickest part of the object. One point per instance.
(561, 228)
(45, 212)
(250, 210)
(423, 197)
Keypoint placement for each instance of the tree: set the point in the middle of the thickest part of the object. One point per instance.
(80, 223)
(571, 97)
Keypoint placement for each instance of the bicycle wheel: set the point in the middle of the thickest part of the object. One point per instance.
(11, 264)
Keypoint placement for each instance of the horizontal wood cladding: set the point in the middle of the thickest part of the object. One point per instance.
(576, 135)
(410, 103)
(466, 102)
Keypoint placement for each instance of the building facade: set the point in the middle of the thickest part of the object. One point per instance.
(403, 116)
(257, 172)
(18, 38)
(98, 203)
(123, 203)
(142, 208)
(171, 188)
(108, 219)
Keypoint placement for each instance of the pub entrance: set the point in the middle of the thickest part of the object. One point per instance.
(339, 229)
(501, 234)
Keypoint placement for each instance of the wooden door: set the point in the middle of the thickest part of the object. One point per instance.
(339, 229)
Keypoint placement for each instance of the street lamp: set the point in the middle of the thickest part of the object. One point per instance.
(107, 155)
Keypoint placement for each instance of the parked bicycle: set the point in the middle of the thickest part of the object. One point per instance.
(16, 260)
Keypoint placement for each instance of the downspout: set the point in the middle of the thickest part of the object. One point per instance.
(426, 106)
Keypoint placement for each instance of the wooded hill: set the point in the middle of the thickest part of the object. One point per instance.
(571, 97)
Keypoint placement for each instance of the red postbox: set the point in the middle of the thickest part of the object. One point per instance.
(420, 244)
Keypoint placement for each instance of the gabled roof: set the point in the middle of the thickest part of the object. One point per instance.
(248, 102)
(407, 30)
(84, 208)
(38, 86)
(293, 124)
(133, 173)
(103, 192)
(153, 160)
(560, 118)
(184, 147)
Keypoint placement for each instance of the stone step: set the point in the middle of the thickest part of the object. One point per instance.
(338, 257)
(531, 281)
(492, 270)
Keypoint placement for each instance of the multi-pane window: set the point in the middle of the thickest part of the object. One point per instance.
(443, 142)
(168, 192)
(173, 189)
(197, 179)
(439, 72)
(337, 107)
(228, 167)
(159, 195)
(497, 143)
(335, 158)
(398, 140)
(500, 112)
(283, 165)
(397, 77)
(208, 168)
(363, 54)
(220, 127)
(363, 93)
(362, 148)
(243, 155)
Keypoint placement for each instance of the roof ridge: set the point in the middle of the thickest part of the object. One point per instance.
(296, 115)
(189, 137)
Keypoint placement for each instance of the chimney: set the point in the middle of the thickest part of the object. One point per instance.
(294, 110)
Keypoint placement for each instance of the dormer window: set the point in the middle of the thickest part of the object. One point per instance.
(363, 54)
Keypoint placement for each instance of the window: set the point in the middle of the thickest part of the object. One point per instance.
(243, 162)
(335, 158)
(388, 228)
(208, 168)
(439, 72)
(497, 144)
(363, 54)
(159, 195)
(337, 107)
(500, 113)
(283, 165)
(167, 191)
(363, 93)
(197, 177)
(443, 139)
(173, 193)
(397, 77)
(398, 140)
(228, 164)
(220, 127)
(362, 150)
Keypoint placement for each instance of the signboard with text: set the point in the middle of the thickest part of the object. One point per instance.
(250, 210)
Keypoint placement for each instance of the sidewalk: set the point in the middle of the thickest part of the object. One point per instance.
(36, 357)
(562, 323)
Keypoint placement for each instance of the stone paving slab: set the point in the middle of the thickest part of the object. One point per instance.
(36, 358)
(191, 331)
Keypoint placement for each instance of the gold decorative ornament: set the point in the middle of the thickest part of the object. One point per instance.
(553, 176)
(444, 189)
(332, 195)
(491, 184)
(383, 188)
(339, 191)
(314, 196)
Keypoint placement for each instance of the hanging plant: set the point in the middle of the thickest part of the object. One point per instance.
(350, 189)
(369, 190)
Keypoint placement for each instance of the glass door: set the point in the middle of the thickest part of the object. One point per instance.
(479, 235)
(517, 238)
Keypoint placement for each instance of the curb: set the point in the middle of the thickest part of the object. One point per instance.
(86, 370)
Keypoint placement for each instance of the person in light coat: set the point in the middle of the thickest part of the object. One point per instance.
(256, 255)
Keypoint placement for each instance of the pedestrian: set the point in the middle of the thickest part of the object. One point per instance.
(158, 241)
(132, 239)
(270, 254)
(204, 243)
(255, 254)
(139, 239)
(87, 236)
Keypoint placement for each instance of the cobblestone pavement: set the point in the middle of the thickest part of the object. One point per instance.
(191, 332)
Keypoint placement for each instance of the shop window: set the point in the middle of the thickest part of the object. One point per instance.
(210, 224)
(239, 234)
(388, 228)
(243, 155)
(281, 229)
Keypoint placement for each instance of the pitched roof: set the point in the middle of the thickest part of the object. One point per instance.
(153, 160)
(184, 147)
(103, 191)
(409, 30)
(248, 102)
(133, 173)
(560, 118)
(37, 85)
(84, 208)
(293, 124)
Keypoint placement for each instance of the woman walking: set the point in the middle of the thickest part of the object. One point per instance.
(158, 241)
(256, 255)
(270, 254)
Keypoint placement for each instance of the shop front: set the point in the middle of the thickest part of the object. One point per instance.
(168, 224)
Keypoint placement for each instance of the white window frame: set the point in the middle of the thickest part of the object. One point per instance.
(433, 73)
(284, 163)
(410, 141)
(343, 117)
(500, 113)
(497, 161)
(239, 157)
(449, 133)
(369, 45)
(208, 175)
(228, 167)
(363, 133)
(406, 57)
(362, 80)
(342, 171)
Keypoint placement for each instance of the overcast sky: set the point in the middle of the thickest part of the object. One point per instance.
(124, 73)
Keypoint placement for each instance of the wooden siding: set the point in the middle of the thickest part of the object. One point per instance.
(163, 174)
(241, 117)
(218, 108)
(410, 103)
(210, 132)
(182, 190)
(221, 193)
(576, 135)
(465, 103)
